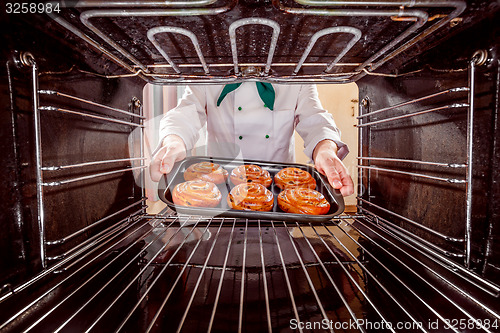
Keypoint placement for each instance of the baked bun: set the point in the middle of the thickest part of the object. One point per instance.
(196, 193)
(303, 200)
(250, 173)
(251, 196)
(210, 172)
(294, 177)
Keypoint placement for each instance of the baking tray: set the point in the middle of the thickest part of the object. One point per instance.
(176, 176)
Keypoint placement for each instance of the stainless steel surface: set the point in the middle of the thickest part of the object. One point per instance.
(223, 209)
(254, 267)
(74, 258)
(132, 3)
(84, 164)
(60, 264)
(334, 30)
(96, 45)
(335, 286)
(411, 237)
(287, 278)
(242, 288)
(122, 270)
(445, 107)
(151, 36)
(414, 174)
(94, 224)
(387, 217)
(39, 162)
(401, 160)
(86, 101)
(87, 15)
(412, 101)
(95, 239)
(469, 170)
(417, 224)
(101, 174)
(142, 153)
(418, 26)
(420, 16)
(91, 240)
(421, 19)
(83, 114)
(221, 280)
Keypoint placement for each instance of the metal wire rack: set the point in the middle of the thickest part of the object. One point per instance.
(181, 273)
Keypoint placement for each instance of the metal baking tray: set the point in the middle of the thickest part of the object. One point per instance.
(176, 176)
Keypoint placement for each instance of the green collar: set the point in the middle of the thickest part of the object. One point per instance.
(266, 93)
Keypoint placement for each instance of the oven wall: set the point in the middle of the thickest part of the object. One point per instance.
(64, 64)
(439, 137)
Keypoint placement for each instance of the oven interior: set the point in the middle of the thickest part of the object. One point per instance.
(80, 252)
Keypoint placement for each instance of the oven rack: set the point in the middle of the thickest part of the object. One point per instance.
(369, 119)
(136, 164)
(418, 20)
(226, 274)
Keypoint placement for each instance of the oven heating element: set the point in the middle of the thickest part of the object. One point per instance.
(398, 12)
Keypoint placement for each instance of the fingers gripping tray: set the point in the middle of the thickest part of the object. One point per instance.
(168, 183)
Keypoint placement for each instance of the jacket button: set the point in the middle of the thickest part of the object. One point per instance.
(267, 136)
(265, 105)
(240, 137)
(239, 108)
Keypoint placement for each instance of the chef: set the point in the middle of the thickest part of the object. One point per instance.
(257, 120)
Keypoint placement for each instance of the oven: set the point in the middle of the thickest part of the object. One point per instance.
(82, 253)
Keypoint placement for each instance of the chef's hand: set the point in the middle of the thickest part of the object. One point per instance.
(327, 162)
(173, 150)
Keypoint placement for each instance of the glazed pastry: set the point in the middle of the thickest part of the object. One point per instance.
(251, 196)
(303, 201)
(294, 177)
(196, 193)
(210, 172)
(250, 173)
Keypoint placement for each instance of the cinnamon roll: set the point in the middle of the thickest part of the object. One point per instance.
(210, 172)
(196, 193)
(303, 201)
(294, 177)
(250, 173)
(251, 196)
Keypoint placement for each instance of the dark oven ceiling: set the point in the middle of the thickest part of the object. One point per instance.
(228, 40)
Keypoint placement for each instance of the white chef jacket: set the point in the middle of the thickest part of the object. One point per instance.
(242, 126)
